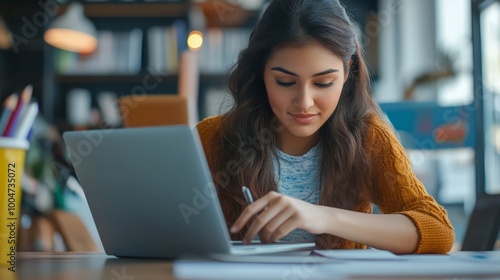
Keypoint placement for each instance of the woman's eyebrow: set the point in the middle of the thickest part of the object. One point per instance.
(326, 72)
(281, 69)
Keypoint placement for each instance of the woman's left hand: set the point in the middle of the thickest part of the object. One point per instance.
(273, 216)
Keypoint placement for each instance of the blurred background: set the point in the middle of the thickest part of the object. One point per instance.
(435, 69)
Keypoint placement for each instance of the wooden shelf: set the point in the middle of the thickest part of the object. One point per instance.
(213, 78)
(155, 9)
(136, 9)
(78, 79)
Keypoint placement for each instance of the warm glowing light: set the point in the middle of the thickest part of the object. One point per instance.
(71, 40)
(5, 37)
(195, 40)
(72, 31)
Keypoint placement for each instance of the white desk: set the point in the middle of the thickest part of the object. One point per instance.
(59, 266)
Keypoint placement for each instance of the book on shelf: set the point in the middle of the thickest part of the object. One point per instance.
(165, 45)
(117, 53)
(221, 48)
(108, 106)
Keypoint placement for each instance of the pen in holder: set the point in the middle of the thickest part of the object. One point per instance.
(12, 156)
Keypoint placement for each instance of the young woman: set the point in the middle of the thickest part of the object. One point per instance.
(308, 140)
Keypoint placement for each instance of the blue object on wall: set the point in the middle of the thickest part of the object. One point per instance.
(428, 126)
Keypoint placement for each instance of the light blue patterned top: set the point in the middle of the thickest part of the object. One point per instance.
(299, 177)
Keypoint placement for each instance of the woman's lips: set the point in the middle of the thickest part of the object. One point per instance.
(303, 118)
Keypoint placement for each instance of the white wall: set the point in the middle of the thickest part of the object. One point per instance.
(408, 48)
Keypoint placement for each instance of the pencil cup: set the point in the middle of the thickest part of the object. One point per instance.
(12, 156)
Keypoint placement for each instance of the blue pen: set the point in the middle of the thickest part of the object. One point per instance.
(248, 197)
(247, 194)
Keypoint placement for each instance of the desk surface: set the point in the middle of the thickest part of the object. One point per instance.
(59, 266)
(70, 265)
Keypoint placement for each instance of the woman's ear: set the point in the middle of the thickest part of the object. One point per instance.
(348, 71)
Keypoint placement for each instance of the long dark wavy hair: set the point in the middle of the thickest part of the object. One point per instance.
(244, 154)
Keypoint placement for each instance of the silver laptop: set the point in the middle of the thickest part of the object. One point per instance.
(151, 194)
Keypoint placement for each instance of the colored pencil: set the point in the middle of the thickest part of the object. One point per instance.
(14, 116)
(26, 121)
(8, 106)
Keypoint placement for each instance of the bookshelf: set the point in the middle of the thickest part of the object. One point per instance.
(55, 74)
(227, 32)
(219, 52)
(155, 28)
(139, 46)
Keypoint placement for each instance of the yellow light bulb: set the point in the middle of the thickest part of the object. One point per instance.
(195, 40)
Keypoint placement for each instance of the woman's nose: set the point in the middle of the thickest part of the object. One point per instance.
(304, 99)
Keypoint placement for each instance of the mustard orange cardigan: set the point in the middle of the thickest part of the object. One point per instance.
(399, 193)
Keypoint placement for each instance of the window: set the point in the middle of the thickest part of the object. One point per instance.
(490, 46)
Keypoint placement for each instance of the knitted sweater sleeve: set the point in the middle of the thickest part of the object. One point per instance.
(396, 190)
(207, 130)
